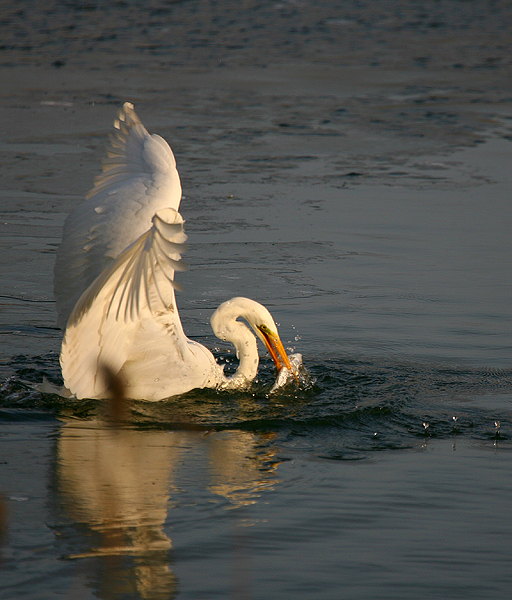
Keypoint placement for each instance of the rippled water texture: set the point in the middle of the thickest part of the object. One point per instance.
(347, 165)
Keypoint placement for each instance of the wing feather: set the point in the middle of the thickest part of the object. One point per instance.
(139, 178)
(147, 263)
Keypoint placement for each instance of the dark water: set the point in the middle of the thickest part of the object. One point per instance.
(346, 164)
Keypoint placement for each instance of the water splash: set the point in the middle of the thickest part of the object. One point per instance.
(298, 375)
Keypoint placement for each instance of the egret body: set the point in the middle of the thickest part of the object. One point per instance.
(114, 284)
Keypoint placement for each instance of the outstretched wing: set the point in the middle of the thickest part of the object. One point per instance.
(139, 178)
(136, 292)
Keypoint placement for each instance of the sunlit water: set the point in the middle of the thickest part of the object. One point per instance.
(366, 203)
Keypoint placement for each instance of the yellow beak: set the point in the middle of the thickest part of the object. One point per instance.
(275, 348)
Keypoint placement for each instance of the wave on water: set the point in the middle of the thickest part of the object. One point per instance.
(341, 408)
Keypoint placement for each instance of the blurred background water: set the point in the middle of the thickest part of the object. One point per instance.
(344, 163)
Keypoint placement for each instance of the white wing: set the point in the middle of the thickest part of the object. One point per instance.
(139, 178)
(142, 277)
(131, 300)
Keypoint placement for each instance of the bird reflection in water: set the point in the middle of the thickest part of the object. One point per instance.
(116, 481)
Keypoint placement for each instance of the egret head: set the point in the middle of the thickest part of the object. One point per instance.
(224, 320)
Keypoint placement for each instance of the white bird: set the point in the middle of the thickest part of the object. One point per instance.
(114, 284)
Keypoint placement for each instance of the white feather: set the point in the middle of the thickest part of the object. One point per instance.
(139, 178)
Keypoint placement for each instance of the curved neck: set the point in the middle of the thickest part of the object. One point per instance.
(226, 327)
(246, 351)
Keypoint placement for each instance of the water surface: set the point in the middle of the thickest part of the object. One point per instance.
(354, 177)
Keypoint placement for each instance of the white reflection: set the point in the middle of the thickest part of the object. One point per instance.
(242, 465)
(117, 482)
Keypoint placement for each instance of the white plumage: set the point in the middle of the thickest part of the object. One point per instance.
(139, 178)
(114, 283)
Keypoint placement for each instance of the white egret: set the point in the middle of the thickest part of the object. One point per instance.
(114, 284)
